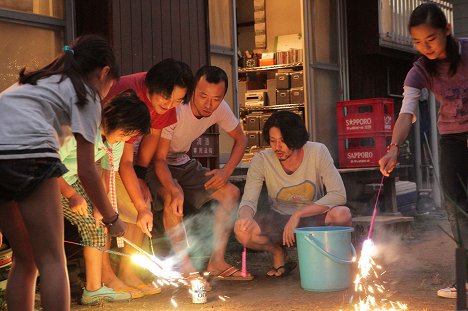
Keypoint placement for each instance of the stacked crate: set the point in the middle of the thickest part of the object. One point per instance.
(364, 131)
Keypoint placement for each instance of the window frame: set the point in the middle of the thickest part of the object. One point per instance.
(67, 24)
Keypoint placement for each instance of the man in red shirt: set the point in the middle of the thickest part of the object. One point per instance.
(165, 86)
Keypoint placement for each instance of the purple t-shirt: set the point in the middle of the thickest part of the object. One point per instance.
(450, 92)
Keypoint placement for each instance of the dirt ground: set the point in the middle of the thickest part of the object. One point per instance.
(418, 262)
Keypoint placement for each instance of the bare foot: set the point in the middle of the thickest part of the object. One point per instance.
(115, 283)
(132, 280)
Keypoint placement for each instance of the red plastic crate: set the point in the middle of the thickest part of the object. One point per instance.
(364, 116)
(362, 150)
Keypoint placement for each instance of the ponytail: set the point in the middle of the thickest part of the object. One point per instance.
(84, 55)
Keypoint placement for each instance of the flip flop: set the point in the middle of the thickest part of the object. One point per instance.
(136, 293)
(148, 289)
(228, 275)
(288, 267)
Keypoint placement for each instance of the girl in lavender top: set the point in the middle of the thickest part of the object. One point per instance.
(442, 69)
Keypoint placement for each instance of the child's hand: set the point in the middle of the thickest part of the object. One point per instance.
(78, 205)
(115, 228)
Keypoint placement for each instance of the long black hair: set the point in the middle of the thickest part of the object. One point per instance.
(432, 15)
(291, 126)
(168, 73)
(128, 113)
(84, 55)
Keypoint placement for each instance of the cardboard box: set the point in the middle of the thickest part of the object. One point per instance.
(282, 97)
(253, 138)
(282, 80)
(296, 95)
(271, 89)
(262, 119)
(266, 62)
(242, 85)
(263, 143)
(296, 79)
(252, 123)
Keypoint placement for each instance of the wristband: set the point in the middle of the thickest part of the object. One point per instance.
(394, 145)
(112, 222)
(140, 171)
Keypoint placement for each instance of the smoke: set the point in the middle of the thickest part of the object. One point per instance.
(398, 249)
(388, 243)
(199, 231)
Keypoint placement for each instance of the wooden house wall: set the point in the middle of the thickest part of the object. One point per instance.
(143, 32)
(374, 71)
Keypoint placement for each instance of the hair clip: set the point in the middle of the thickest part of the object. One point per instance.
(66, 48)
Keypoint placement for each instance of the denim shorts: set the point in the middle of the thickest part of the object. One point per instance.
(20, 177)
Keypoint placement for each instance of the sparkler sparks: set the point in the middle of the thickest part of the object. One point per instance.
(223, 298)
(367, 283)
(163, 270)
(174, 302)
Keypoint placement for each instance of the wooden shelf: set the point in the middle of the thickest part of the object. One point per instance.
(273, 107)
(272, 67)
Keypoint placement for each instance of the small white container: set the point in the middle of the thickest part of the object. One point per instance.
(198, 291)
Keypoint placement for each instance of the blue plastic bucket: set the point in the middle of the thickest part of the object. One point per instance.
(325, 256)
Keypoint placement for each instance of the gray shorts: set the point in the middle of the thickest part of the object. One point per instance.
(191, 177)
(272, 223)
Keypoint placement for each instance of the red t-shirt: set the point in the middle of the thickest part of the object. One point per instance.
(136, 82)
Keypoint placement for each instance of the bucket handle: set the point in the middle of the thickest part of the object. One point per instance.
(314, 243)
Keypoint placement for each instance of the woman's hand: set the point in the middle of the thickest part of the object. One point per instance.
(388, 162)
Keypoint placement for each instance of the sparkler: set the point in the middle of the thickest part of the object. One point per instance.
(185, 232)
(151, 245)
(367, 278)
(374, 213)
